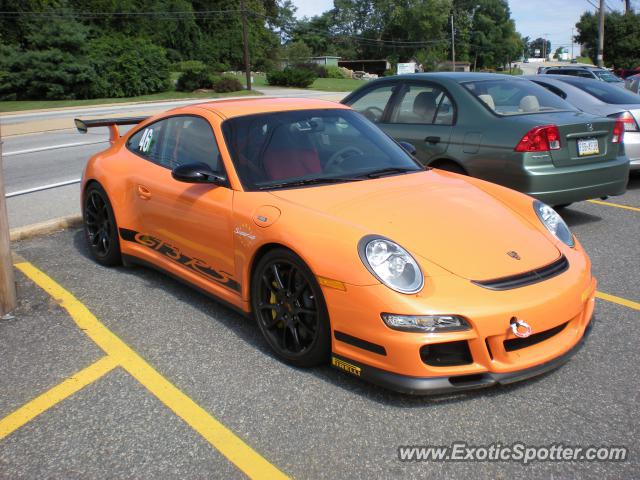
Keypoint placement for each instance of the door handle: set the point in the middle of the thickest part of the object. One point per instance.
(432, 139)
(143, 192)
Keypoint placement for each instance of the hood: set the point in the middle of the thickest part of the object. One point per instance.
(439, 216)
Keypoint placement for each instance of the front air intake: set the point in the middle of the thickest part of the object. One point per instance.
(527, 278)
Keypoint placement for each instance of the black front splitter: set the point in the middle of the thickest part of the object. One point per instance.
(438, 385)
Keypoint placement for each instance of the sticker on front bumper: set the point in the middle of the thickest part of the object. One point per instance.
(346, 366)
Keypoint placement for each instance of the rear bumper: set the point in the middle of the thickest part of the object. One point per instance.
(457, 383)
(556, 186)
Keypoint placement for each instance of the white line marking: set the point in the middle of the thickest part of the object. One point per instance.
(43, 187)
(51, 147)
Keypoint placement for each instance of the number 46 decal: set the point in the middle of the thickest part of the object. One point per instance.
(145, 141)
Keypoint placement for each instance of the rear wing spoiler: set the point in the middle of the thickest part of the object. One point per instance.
(112, 123)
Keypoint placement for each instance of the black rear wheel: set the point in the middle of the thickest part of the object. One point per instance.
(100, 229)
(290, 310)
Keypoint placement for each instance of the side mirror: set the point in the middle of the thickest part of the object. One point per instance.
(197, 173)
(409, 147)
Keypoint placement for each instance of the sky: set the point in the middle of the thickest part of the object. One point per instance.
(534, 18)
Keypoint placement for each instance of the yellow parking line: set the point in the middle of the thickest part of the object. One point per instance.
(619, 300)
(617, 205)
(219, 436)
(51, 397)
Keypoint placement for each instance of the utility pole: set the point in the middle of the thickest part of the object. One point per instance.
(453, 47)
(627, 6)
(7, 282)
(571, 43)
(601, 35)
(245, 41)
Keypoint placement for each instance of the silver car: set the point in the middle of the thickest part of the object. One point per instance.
(600, 98)
(633, 83)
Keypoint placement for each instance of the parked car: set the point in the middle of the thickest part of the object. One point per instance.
(602, 99)
(594, 73)
(627, 72)
(633, 83)
(344, 249)
(500, 128)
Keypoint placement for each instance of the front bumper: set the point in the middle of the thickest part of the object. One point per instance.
(558, 309)
(455, 383)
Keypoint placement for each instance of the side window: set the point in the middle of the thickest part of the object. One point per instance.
(424, 104)
(146, 142)
(553, 89)
(583, 74)
(373, 103)
(177, 141)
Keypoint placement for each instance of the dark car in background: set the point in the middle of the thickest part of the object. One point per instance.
(602, 99)
(500, 128)
(593, 73)
(632, 83)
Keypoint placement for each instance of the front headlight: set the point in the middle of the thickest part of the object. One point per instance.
(554, 222)
(426, 323)
(391, 264)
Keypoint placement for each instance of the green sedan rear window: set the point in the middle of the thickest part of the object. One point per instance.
(515, 97)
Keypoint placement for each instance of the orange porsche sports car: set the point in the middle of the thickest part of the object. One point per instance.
(342, 246)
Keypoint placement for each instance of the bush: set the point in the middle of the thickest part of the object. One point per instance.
(225, 84)
(389, 73)
(195, 74)
(319, 70)
(334, 72)
(128, 67)
(291, 77)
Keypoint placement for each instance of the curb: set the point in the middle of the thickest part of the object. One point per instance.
(44, 228)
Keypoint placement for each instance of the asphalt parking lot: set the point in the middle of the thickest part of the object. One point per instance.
(199, 394)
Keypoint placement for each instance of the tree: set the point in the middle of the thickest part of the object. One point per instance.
(543, 46)
(621, 38)
(495, 41)
(298, 52)
(51, 64)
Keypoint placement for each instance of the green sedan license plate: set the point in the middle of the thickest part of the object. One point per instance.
(588, 146)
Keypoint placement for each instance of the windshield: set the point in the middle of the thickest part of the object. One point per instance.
(516, 97)
(607, 76)
(307, 147)
(604, 92)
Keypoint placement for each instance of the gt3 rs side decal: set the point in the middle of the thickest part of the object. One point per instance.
(173, 253)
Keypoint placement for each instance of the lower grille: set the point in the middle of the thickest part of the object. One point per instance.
(527, 278)
(446, 354)
(519, 343)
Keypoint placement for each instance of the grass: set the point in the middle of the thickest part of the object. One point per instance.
(514, 71)
(337, 84)
(324, 84)
(586, 60)
(19, 105)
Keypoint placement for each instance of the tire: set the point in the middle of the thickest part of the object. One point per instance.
(100, 228)
(450, 167)
(290, 310)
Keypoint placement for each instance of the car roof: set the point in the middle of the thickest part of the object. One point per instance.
(574, 66)
(254, 105)
(450, 76)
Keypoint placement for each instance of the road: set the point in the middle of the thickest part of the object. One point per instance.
(50, 157)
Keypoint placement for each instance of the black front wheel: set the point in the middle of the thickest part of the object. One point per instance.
(100, 229)
(290, 310)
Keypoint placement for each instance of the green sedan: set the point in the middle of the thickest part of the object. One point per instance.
(503, 129)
